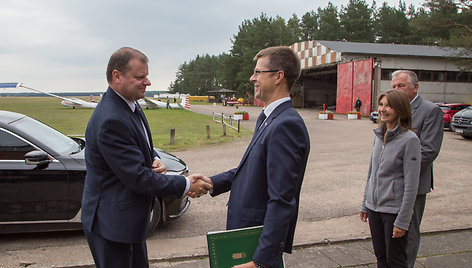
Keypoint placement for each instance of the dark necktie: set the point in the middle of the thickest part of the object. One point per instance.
(260, 119)
(138, 113)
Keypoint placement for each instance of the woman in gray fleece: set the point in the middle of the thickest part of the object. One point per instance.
(392, 181)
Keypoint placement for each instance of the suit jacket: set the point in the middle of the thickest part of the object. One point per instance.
(120, 185)
(265, 187)
(428, 123)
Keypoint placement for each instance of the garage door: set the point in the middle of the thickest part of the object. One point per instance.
(354, 80)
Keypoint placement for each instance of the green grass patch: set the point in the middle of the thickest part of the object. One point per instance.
(190, 128)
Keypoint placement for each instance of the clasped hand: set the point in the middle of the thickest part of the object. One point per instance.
(199, 185)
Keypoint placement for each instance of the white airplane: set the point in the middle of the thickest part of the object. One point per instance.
(146, 103)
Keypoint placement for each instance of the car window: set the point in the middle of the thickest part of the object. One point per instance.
(54, 139)
(445, 108)
(12, 147)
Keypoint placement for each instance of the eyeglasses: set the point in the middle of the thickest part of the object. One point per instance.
(257, 72)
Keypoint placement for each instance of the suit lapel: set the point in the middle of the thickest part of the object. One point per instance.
(146, 125)
(416, 103)
(134, 118)
(282, 107)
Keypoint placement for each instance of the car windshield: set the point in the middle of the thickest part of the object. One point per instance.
(57, 141)
(445, 108)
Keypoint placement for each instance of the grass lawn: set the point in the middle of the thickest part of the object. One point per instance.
(190, 128)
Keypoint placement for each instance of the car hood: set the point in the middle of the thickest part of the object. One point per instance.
(79, 157)
(465, 112)
(173, 163)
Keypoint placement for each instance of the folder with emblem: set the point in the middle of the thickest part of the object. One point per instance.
(233, 247)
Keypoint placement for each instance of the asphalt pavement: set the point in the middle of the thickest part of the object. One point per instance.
(448, 247)
(329, 232)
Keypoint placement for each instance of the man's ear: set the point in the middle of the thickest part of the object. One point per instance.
(116, 76)
(280, 75)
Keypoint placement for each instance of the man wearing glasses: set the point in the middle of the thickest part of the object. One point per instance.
(265, 187)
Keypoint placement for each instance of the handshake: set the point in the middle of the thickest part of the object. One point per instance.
(199, 185)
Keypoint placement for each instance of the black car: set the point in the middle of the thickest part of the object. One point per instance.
(42, 173)
(462, 122)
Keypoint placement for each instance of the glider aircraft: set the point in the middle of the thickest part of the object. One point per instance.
(145, 103)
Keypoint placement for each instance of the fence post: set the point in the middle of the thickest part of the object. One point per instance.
(208, 131)
(172, 136)
(224, 130)
(222, 118)
(239, 122)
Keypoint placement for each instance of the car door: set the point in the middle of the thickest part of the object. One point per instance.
(28, 192)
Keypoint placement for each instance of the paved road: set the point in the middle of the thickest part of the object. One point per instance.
(330, 198)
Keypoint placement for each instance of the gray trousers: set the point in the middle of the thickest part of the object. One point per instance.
(413, 243)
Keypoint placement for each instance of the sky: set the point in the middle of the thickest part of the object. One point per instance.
(64, 45)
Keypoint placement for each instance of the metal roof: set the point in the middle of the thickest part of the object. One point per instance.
(391, 49)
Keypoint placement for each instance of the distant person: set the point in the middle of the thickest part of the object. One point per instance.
(124, 172)
(428, 124)
(392, 180)
(175, 100)
(265, 187)
(168, 103)
(358, 105)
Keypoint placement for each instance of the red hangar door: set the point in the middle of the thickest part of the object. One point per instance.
(354, 80)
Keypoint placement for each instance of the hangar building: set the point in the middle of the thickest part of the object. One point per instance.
(336, 73)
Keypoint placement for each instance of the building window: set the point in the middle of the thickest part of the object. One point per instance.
(386, 74)
(434, 76)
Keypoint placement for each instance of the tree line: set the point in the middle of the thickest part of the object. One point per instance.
(445, 23)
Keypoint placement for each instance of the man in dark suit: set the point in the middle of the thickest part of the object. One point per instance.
(428, 123)
(265, 187)
(124, 173)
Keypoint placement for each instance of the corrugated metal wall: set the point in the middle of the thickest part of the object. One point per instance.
(354, 80)
(344, 93)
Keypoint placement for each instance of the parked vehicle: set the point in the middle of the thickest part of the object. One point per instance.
(449, 109)
(42, 173)
(374, 116)
(462, 122)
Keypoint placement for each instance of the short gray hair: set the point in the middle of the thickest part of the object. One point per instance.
(412, 77)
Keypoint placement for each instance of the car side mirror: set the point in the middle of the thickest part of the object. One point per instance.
(39, 158)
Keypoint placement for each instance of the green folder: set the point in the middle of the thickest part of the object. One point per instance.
(233, 247)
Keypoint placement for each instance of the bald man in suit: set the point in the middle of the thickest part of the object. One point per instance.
(124, 173)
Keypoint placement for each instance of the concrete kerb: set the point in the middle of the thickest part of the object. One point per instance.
(324, 243)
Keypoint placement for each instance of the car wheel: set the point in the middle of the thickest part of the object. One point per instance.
(156, 215)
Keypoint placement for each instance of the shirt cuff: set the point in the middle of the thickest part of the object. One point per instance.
(187, 186)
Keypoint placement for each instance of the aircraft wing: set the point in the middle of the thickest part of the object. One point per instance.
(65, 101)
(44, 92)
(151, 104)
